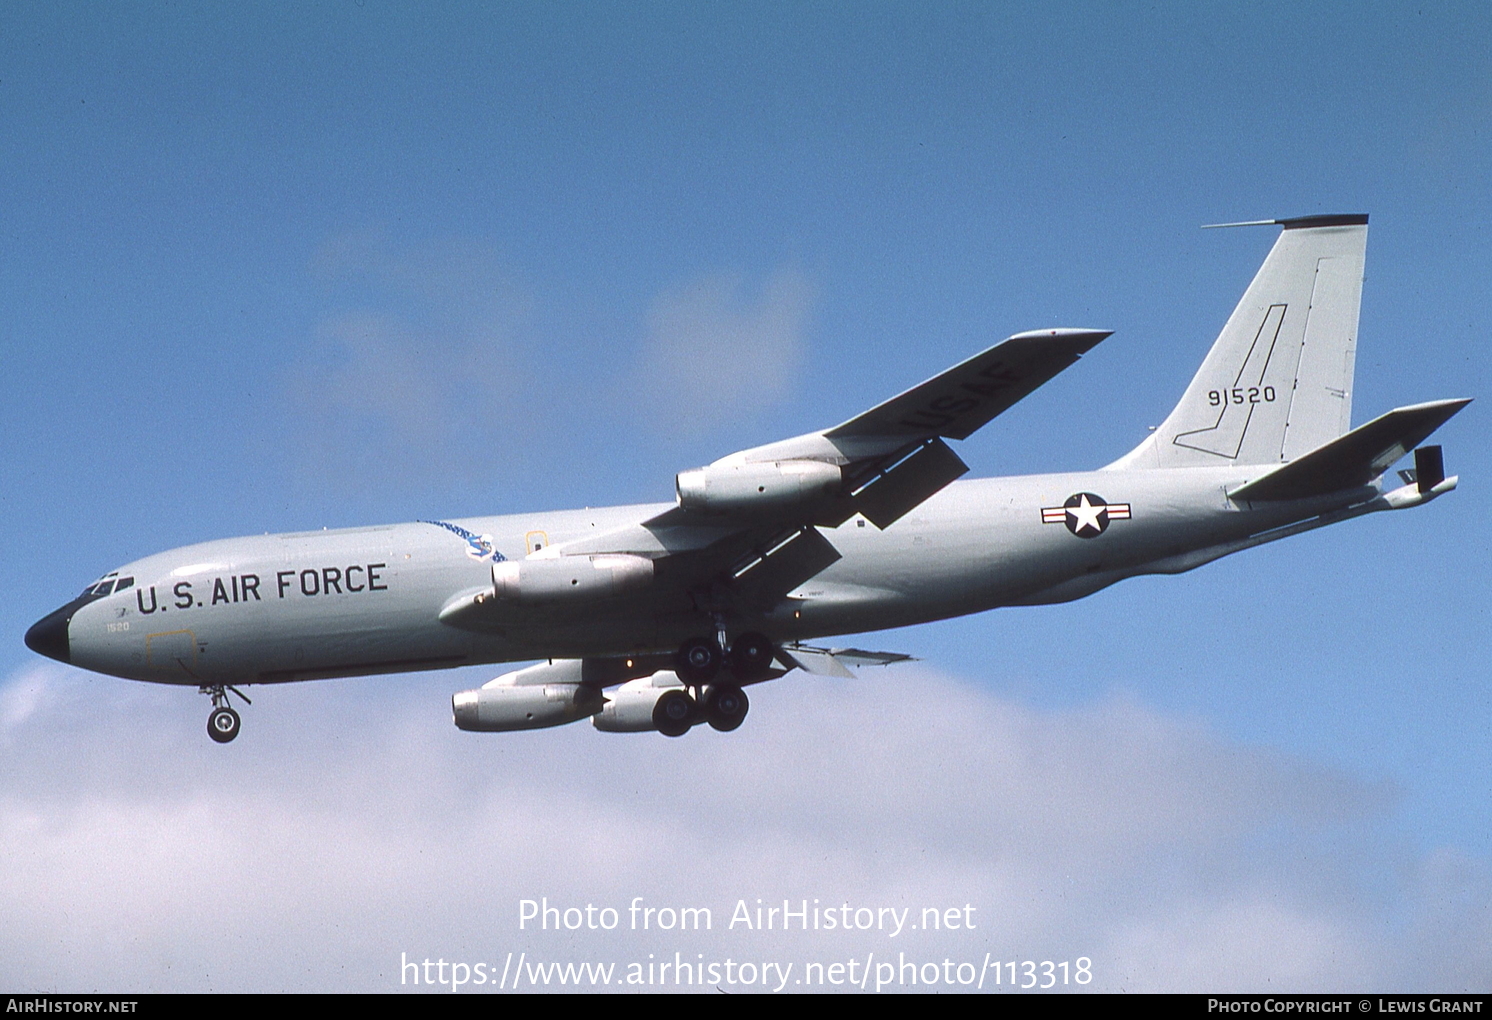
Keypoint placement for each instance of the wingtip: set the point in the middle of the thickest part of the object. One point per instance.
(1453, 404)
(1065, 333)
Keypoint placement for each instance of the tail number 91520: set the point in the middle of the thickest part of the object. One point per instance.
(1241, 395)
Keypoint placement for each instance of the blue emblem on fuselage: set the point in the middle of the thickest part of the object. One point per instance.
(478, 547)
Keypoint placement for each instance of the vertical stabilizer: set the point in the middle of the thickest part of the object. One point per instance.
(1278, 381)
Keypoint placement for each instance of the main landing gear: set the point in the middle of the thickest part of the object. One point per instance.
(223, 722)
(700, 659)
(674, 713)
(724, 708)
(723, 705)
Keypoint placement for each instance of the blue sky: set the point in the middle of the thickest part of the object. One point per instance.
(283, 268)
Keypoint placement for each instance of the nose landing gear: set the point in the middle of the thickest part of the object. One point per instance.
(223, 722)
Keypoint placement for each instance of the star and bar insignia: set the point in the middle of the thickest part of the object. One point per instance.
(1085, 514)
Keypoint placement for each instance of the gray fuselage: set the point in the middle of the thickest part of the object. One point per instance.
(368, 600)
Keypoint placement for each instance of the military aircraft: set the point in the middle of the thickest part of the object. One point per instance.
(657, 617)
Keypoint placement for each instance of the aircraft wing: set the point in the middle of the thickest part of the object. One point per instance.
(749, 522)
(902, 437)
(954, 403)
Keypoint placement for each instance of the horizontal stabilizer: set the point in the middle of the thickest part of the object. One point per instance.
(1354, 459)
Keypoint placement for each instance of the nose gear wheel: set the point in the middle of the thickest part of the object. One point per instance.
(223, 722)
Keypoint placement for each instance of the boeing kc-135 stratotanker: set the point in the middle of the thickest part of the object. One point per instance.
(657, 617)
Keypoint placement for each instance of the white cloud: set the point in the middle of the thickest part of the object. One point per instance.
(715, 350)
(351, 823)
(428, 361)
(420, 362)
(20, 698)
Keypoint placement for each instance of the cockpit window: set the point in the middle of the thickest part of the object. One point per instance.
(107, 584)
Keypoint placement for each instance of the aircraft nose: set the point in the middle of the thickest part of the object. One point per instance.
(48, 636)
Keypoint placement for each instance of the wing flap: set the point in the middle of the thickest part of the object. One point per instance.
(762, 582)
(817, 661)
(831, 661)
(1354, 459)
(895, 492)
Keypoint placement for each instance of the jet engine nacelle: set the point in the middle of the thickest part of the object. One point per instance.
(629, 708)
(523, 700)
(570, 578)
(771, 485)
